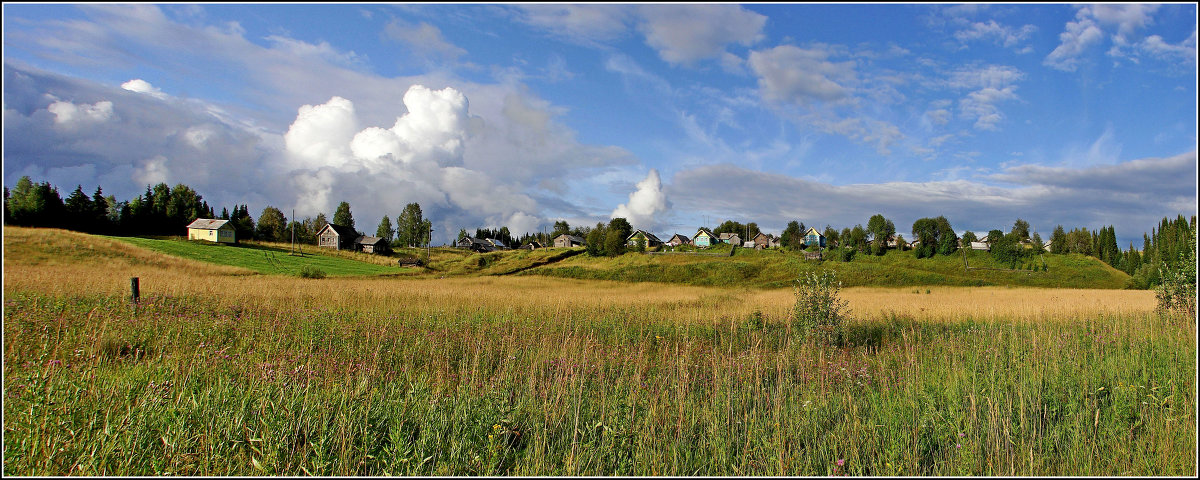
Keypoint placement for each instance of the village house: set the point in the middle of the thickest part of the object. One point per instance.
(566, 241)
(649, 238)
(337, 237)
(213, 230)
(730, 238)
(474, 244)
(704, 238)
(533, 245)
(678, 240)
(813, 237)
(374, 245)
(496, 243)
(762, 240)
(980, 246)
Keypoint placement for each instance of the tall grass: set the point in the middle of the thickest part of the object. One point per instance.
(252, 375)
(194, 385)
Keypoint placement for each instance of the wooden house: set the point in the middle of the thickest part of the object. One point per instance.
(533, 245)
(813, 237)
(213, 230)
(337, 237)
(566, 241)
(980, 246)
(678, 240)
(649, 238)
(731, 238)
(474, 244)
(496, 243)
(762, 240)
(704, 238)
(374, 245)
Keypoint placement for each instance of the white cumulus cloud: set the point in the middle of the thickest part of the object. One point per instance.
(141, 86)
(321, 134)
(644, 203)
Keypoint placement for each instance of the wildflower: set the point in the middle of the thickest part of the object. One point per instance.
(958, 445)
(961, 435)
(841, 462)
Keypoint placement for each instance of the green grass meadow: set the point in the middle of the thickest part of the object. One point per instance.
(264, 259)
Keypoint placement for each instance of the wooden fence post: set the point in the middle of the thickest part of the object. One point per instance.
(133, 290)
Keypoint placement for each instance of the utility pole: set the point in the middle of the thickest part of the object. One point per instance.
(428, 239)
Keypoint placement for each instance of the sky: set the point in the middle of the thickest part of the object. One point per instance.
(673, 116)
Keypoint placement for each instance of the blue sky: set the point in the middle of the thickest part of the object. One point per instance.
(669, 115)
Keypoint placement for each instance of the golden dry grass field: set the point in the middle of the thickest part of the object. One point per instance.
(71, 263)
(224, 371)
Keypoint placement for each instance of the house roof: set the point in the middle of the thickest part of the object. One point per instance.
(495, 242)
(649, 236)
(207, 224)
(812, 230)
(729, 235)
(572, 238)
(683, 238)
(365, 240)
(340, 230)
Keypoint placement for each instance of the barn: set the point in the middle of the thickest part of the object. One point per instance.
(374, 245)
(213, 230)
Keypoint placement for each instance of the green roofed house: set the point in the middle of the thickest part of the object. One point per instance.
(813, 237)
(650, 239)
(704, 238)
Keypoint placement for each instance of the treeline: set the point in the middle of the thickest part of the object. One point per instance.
(161, 210)
(164, 210)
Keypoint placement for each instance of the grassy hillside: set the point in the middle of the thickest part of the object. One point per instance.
(777, 269)
(268, 259)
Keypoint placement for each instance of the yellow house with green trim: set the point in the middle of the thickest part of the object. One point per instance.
(213, 230)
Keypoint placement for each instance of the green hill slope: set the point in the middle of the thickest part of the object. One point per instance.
(264, 259)
(778, 269)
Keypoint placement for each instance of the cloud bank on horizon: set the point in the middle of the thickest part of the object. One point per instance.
(519, 116)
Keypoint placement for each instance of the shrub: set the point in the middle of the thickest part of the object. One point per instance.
(755, 321)
(818, 313)
(1177, 292)
(309, 271)
(846, 254)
